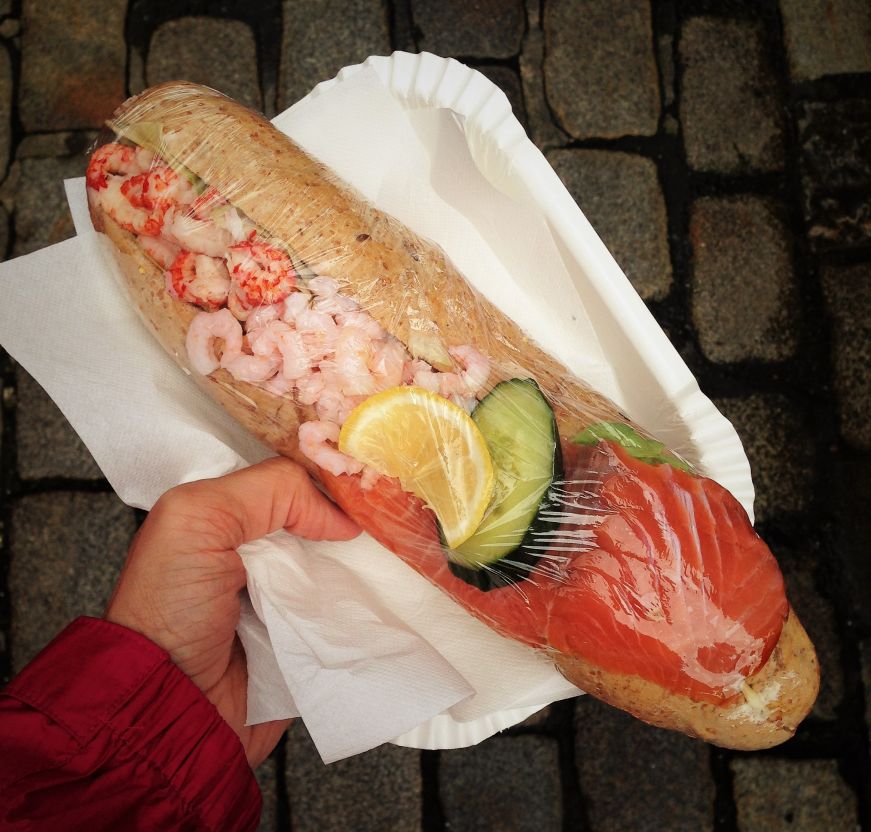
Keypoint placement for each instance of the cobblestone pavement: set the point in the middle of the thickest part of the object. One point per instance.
(723, 151)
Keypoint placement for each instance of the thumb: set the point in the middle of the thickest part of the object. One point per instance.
(274, 494)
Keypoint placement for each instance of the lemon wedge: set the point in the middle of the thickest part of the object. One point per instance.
(432, 447)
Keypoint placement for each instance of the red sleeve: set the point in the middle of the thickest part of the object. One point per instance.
(102, 731)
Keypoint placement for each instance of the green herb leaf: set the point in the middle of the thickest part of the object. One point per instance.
(647, 450)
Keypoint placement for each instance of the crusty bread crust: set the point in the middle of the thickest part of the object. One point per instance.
(767, 712)
(383, 265)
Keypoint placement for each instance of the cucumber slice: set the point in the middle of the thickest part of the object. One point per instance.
(519, 427)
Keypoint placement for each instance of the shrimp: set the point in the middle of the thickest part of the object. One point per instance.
(412, 367)
(140, 202)
(475, 368)
(316, 442)
(364, 321)
(323, 287)
(199, 279)
(428, 380)
(201, 236)
(161, 185)
(277, 336)
(261, 273)
(253, 368)
(388, 363)
(335, 305)
(262, 316)
(294, 305)
(201, 334)
(310, 387)
(115, 160)
(319, 333)
(121, 199)
(353, 353)
(159, 249)
(278, 385)
(334, 406)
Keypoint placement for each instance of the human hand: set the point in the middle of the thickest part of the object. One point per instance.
(181, 582)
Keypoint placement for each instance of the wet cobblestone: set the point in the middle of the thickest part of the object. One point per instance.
(67, 551)
(784, 795)
(827, 37)
(488, 786)
(371, 792)
(818, 617)
(47, 444)
(78, 79)
(313, 52)
(729, 107)
(743, 293)
(217, 53)
(778, 444)
(835, 143)
(671, 784)
(267, 776)
(458, 28)
(847, 291)
(42, 216)
(6, 94)
(599, 68)
(619, 194)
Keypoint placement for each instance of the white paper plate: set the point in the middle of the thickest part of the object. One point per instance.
(649, 369)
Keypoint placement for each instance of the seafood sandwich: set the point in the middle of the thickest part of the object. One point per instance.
(343, 340)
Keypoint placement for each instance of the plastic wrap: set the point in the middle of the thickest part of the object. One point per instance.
(345, 341)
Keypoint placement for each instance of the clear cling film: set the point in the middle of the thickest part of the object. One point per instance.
(343, 340)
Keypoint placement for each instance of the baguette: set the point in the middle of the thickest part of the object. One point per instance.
(413, 291)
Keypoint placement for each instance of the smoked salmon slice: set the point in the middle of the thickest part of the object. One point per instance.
(645, 570)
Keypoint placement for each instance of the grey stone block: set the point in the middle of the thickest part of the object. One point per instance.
(634, 776)
(266, 775)
(47, 444)
(507, 783)
(779, 447)
(541, 127)
(620, 195)
(458, 28)
(42, 216)
(743, 289)
(599, 68)
(818, 618)
(773, 795)
(67, 552)
(729, 105)
(73, 59)
(371, 792)
(312, 52)
(66, 143)
(847, 290)
(216, 52)
(6, 93)
(4, 232)
(835, 142)
(826, 37)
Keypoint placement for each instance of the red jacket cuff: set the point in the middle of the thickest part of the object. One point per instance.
(107, 685)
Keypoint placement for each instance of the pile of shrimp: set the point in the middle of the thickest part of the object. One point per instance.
(290, 335)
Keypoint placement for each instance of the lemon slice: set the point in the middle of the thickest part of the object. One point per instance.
(432, 447)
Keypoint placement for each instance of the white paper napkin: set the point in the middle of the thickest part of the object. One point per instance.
(344, 634)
